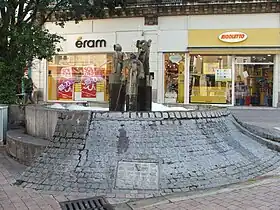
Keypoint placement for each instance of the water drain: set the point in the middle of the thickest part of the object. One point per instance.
(95, 203)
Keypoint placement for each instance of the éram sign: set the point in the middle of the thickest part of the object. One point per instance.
(90, 43)
(233, 37)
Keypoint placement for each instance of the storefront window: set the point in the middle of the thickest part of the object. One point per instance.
(81, 77)
(210, 79)
(254, 80)
(174, 77)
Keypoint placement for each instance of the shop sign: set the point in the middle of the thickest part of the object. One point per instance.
(223, 75)
(90, 43)
(175, 58)
(233, 37)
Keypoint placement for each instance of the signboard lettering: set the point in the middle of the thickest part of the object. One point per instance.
(93, 43)
(233, 37)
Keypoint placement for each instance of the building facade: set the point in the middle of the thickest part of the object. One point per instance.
(207, 59)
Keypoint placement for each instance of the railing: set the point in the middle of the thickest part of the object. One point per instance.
(188, 2)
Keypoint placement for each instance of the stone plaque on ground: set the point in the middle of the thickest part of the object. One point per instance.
(137, 175)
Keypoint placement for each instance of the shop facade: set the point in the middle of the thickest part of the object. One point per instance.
(80, 70)
(234, 62)
(230, 63)
(234, 67)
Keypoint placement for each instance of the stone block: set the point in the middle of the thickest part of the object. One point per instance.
(24, 148)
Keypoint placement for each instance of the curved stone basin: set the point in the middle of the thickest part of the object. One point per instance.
(155, 151)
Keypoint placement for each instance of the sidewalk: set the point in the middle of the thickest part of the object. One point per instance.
(15, 198)
(260, 193)
(265, 195)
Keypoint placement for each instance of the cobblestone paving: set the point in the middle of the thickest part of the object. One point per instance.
(262, 194)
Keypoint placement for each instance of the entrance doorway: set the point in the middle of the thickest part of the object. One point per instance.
(254, 82)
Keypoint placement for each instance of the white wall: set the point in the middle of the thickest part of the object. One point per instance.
(118, 24)
(239, 21)
(98, 26)
(172, 37)
(71, 27)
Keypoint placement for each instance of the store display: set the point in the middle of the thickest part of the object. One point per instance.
(210, 79)
(77, 77)
(210, 68)
(174, 77)
(253, 85)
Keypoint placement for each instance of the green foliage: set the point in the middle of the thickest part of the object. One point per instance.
(23, 37)
(9, 83)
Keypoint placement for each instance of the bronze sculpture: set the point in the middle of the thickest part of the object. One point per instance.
(134, 89)
(135, 72)
(145, 86)
(144, 54)
(116, 86)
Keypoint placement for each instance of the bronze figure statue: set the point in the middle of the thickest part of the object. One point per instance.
(118, 59)
(144, 54)
(133, 89)
(135, 72)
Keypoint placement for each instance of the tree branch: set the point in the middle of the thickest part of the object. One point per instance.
(25, 8)
(32, 16)
(60, 3)
(21, 9)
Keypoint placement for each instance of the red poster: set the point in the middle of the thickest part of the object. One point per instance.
(65, 84)
(88, 88)
(91, 75)
(65, 89)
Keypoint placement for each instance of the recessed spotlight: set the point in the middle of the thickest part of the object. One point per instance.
(268, 55)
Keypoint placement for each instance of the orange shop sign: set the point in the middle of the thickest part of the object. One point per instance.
(233, 37)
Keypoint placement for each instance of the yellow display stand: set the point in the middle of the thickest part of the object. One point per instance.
(205, 94)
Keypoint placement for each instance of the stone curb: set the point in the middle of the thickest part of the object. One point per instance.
(252, 108)
(267, 142)
(250, 128)
(162, 115)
